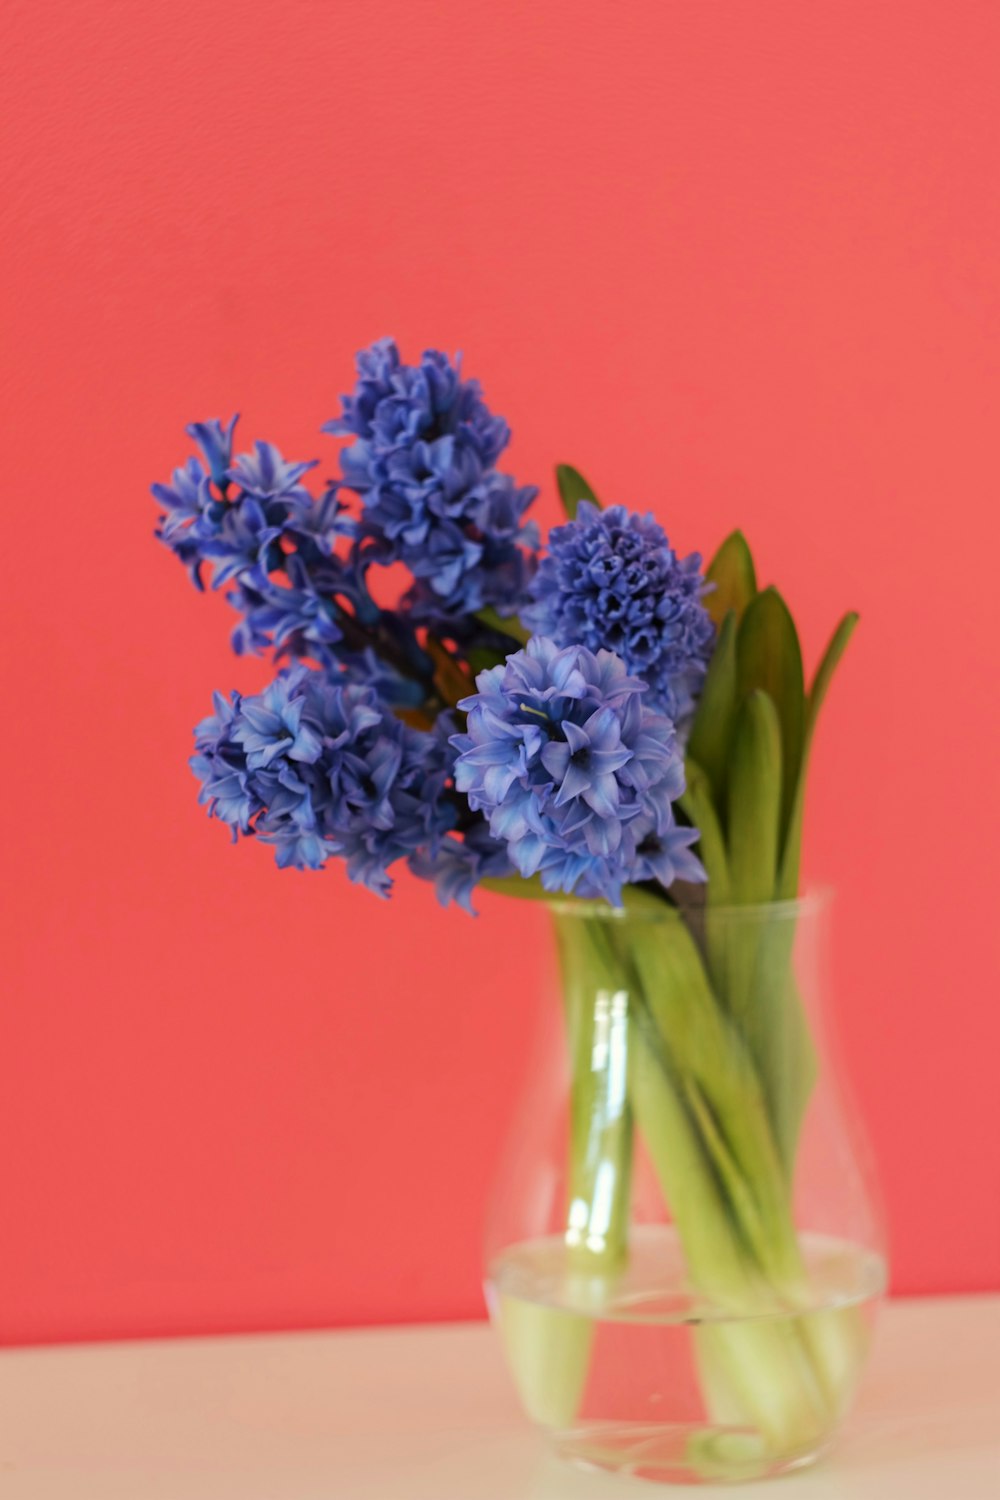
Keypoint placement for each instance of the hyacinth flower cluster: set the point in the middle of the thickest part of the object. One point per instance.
(575, 774)
(612, 581)
(430, 693)
(316, 766)
(423, 460)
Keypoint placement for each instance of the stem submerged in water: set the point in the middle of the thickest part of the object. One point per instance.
(549, 1348)
(655, 1048)
(705, 1116)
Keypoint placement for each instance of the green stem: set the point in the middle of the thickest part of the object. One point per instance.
(549, 1347)
(600, 1155)
(703, 1113)
(755, 1370)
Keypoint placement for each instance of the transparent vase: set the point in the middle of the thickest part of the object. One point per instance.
(684, 1252)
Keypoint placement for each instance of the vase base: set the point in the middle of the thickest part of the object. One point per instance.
(677, 1453)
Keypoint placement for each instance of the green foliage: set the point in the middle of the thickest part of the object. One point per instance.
(712, 729)
(747, 765)
(508, 625)
(572, 489)
(769, 658)
(788, 884)
(698, 806)
(757, 650)
(734, 576)
(755, 779)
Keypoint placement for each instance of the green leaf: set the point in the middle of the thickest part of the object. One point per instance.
(572, 489)
(788, 885)
(480, 659)
(752, 957)
(508, 625)
(754, 800)
(732, 572)
(769, 659)
(713, 723)
(827, 667)
(696, 802)
(521, 888)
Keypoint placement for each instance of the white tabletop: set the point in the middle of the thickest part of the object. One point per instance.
(425, 1413)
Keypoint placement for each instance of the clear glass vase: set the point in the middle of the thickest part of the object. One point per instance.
(684, 1252)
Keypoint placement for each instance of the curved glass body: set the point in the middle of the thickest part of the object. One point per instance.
(684, 1251)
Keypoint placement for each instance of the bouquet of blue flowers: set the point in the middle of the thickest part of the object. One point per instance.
(599, 723)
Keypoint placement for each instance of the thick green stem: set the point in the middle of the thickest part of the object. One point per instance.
(600, 1150)
(755, 1370)
(549, 1348)
(703, 1113)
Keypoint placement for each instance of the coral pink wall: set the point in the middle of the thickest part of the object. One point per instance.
(737, 262)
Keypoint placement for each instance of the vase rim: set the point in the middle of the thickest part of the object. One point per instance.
(812, 902)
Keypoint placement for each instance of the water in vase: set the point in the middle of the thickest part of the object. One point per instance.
(599, 1359)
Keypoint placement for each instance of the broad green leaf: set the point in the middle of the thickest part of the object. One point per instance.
(769, 658)
(788, 885)
(572, 489)
(713, 722)
(697, 804)
(732, 572)
(754, 801)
